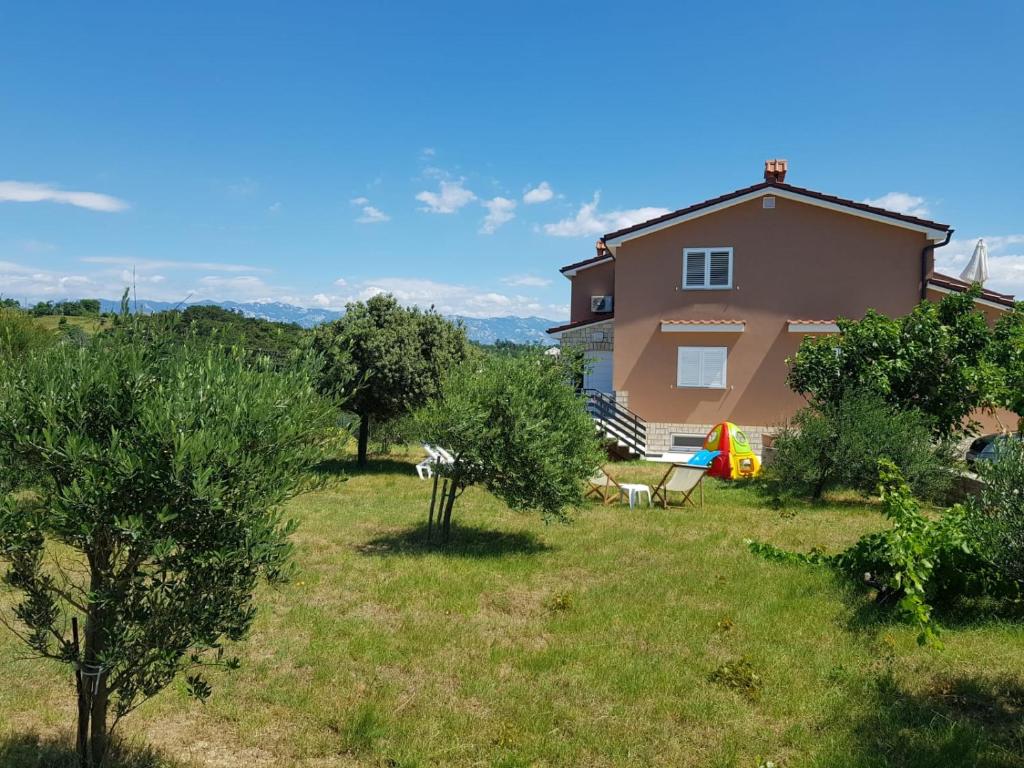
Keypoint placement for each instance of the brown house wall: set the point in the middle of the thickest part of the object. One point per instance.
(594, 281)
(795, 261)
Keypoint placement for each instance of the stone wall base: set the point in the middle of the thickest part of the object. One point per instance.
(659, 434)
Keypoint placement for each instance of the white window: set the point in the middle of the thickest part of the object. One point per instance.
(707, 268)
(702, 367)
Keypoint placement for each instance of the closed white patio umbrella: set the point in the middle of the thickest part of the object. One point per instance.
(976, 270)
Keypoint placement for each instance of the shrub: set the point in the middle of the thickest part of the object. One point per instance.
(921, 561)
(20, 334)
(918, 562)
(838, 445)
(399, 430)
(1000, 507)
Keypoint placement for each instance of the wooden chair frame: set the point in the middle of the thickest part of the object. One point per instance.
(603, 491)
(660, 492)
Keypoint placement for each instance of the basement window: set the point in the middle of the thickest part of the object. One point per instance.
(683, 442)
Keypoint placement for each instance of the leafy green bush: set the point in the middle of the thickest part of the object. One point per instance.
(392, 432)
(838, 445)
(918, 562)
(20, 334)
(1000, 507)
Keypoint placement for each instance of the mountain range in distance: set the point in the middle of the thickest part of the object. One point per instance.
(483, 330)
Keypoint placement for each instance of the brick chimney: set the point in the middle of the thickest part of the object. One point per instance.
(775, 170)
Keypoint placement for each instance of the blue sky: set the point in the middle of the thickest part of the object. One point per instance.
(459, 153)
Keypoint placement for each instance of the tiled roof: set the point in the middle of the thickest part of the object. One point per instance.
(581, 323)
(586, 262)
(703, 322)
(812, 322)
(788, 188)
(955, 284)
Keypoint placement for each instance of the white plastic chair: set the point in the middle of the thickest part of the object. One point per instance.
(425, 469)
(443, 456)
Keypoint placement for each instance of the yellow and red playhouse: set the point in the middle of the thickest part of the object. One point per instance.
(735, 458)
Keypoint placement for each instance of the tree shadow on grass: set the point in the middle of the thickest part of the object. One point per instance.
(375, 466)
(869, 615)
(956, 722)
(465, 541)
(34, 751)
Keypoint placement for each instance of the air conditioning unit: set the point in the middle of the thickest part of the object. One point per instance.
(600, 305)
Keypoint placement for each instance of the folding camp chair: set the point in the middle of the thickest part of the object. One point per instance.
(681, 478)
(601, 486)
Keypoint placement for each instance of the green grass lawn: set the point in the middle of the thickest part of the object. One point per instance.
(626, 638)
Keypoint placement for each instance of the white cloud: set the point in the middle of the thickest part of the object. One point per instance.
(428, 152)
(236, 288)
(588, 221)
(531, 281)
(372, 215)
(539, 194)
(128, 278)
(450, 197)
(901, 202)
(274, 208)
(37, 246)
(244, 188)
(200, 266)
(446, 298)
(31, 192)
(500, 210)
(1005, 261)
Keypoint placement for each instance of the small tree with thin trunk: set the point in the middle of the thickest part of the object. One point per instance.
(516, 425)
(387, 358)
(141, 484)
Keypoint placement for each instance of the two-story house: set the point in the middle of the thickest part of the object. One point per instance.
(689, 318)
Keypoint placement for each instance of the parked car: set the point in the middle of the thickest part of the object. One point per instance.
(979, 445)
(986, 447)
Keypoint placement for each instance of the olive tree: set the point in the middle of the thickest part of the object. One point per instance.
(387, 358)
(141, 492)
(516, 425)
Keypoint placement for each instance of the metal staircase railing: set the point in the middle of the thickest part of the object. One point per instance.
(617, 421)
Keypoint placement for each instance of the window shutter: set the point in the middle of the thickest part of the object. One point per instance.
(695, 269)
(719, 269)
(713, 368)
(688, 370)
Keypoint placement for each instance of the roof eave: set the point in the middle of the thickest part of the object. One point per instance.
(934, 231)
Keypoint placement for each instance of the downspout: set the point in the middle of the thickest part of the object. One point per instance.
(924, 261)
